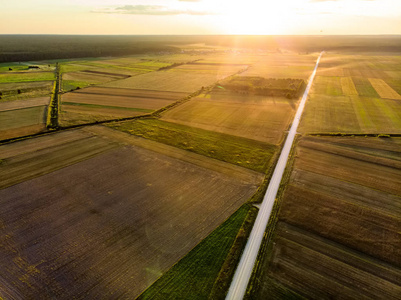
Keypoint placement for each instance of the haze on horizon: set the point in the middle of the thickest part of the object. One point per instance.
(176, 17)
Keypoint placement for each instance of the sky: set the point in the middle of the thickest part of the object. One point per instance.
(266, 17)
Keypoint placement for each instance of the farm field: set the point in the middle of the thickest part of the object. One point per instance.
(283, 66)
(23, 120)
(24, 90)
(85, 78)
(355, 94)
(212, 68)
(116, 101)
(127, 66)
(123, 217)
(84, 73)
(18, 104)
(194, 277)
(26, 76)
(246, 153)
(338, 230)
(256, 117)
(99, 104)
(171, 81)
(130, 64)
(133, 93)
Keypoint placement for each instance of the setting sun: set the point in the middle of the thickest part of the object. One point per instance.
(263, 18)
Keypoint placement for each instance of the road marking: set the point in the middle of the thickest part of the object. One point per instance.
(244, 270)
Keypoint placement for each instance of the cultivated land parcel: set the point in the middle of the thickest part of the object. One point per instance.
(336, 231)
(157, 201)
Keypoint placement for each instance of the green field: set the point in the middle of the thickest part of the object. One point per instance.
(364, 87)
(349, 103)
(24, 90)
(236, 150)
(69, 85)
(26, 76)
(352, 114)
(326, 85)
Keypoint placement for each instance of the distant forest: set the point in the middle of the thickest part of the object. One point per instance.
(45, 47)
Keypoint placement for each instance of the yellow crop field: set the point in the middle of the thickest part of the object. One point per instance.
(264, 121)
(383, 89)
(348, 86)
(168, 81)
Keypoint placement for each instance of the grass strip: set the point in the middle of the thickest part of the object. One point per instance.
(26, 76)
(226, 274)
(193, 276)
(54, 105)
(107, 106)
(240, 151)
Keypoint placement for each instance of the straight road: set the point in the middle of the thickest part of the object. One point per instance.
(244, 270)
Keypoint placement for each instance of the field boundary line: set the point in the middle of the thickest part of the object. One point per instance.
(244, 270)
(380, 135)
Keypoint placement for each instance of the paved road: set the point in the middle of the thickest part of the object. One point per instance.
(244, 270)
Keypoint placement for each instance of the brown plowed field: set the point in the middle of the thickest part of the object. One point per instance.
(23, 117)
(339, 229)
(109, 226)
(99, 111)
(46, 154)
(120, 101)
(17, 104)
(24, 85)
(264, 121)
(89, 77)
(21, 131)
(318, 268)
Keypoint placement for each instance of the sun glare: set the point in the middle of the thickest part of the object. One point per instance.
(255, 18)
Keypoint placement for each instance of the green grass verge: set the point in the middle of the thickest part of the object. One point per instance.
(23, 77)
(227, 271)
(193, 276)
(244, 152)
(108, 107)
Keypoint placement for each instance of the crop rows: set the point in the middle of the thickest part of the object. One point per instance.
(339, 229)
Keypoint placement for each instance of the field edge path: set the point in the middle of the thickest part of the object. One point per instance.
(244, 270)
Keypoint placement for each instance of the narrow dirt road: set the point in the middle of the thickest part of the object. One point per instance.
(244, 270)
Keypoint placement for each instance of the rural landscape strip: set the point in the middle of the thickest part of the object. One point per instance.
(244, 270)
